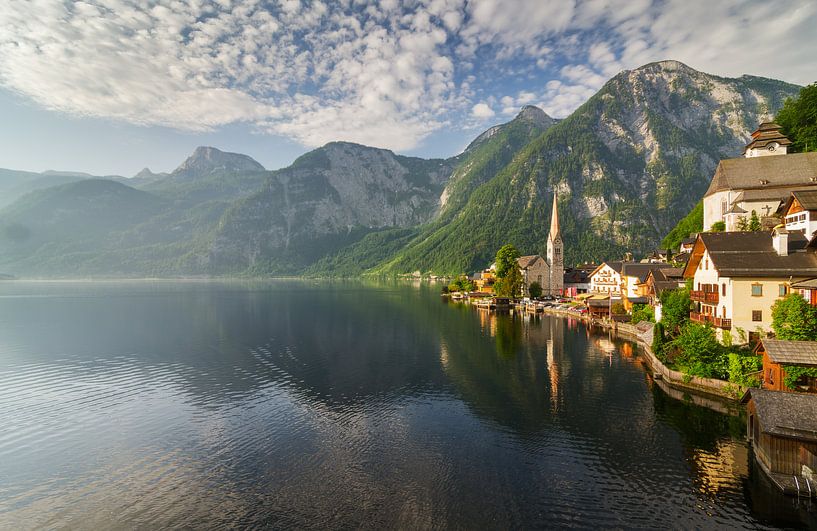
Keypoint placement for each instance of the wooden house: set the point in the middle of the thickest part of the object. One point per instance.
(778, 355)
(782, 428)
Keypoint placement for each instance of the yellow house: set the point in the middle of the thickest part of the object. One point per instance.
(738, 276)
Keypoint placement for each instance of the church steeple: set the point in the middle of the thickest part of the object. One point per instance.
(555, 233)
(555, 255)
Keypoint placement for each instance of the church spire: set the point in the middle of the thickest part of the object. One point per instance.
(555, 233)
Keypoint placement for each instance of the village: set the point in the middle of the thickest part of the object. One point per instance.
(732, 311)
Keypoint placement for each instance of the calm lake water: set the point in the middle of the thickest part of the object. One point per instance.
(307, 405)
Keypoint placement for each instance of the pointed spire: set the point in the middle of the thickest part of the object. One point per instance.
(554, 220)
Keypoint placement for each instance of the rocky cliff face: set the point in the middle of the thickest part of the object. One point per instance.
(327, 198)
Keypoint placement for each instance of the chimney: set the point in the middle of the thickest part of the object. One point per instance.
(780, 240)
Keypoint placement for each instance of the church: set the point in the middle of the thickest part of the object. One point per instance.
(547, 272)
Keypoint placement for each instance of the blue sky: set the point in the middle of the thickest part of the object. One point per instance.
(111, 86)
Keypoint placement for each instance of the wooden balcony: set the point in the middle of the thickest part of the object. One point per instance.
(717, 322)
(707, 297)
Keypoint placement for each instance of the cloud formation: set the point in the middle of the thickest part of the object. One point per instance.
(385, 74)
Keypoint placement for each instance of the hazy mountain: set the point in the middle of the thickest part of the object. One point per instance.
(14, 184)
(207, 161)
(328, 198)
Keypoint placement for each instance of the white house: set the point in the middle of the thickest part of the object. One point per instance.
(606, 279)
(800, 212)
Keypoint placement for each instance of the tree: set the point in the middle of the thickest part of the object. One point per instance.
(511, 284)
(535, 290)
(658, 339)
(643, 312)
(798, 117)
(506, 260)
(698, 352)
(743, 224)
(675, 306)
(618, 309)
(794, 319)
(718, 226)
(754, 223)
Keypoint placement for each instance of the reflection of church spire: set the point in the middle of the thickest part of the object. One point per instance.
(553, 369)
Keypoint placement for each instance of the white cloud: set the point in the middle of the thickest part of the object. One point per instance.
(482, 110)
(380, 73)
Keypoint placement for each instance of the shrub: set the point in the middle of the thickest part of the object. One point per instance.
(643, 312)
(743, 368)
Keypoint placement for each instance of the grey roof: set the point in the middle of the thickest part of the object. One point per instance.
(639, 300)
(786, 414)
(750, 254)
(791, 352)
(810, 283)
(806, 198)
(751, 173)
(527, 261)
(641, 271)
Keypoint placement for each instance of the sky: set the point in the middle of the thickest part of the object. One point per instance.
(112, 86)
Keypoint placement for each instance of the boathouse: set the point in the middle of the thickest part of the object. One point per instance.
(783, 430)
(778, 355)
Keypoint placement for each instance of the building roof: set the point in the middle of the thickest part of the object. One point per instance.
(786, 414)
(764, 172)
(615, 266)
(810, 283)
(640, 271)
(576, 276)
(791, 352)
(806, 198)
(750, 254)
(527, 261)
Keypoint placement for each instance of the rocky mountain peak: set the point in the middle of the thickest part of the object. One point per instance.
(207, 160)
(535, 115)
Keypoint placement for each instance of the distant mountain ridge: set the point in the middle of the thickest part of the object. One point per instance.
(626, 165)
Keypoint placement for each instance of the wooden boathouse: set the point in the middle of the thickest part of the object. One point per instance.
(782, 428)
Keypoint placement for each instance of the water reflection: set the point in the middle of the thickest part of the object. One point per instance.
(294, 404)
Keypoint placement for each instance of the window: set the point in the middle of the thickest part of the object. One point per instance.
(707, 264)
(757, 290)
(781, 290)
(723, 286)
(757, 316)
(723, 207)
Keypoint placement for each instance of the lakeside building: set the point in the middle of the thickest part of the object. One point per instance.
(606, 279)
(576, 281)
(738, 276)
(760, 181)
(778, 355)
(782, 428)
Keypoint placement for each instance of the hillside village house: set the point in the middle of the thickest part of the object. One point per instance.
(658, 281)
(577, 281)
(800, 212)
(779, 355)
(634, 281)
(760, 181)
(738, 276)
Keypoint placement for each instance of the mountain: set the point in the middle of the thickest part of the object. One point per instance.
(326, 199)
(479, 163)
(207, 161)
(626, 165)
(14, 184)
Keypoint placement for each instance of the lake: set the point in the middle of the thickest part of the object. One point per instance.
(307, 404)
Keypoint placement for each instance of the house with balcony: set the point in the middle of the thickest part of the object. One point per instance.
(660, 280)
(806, 289)
(738, 276)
